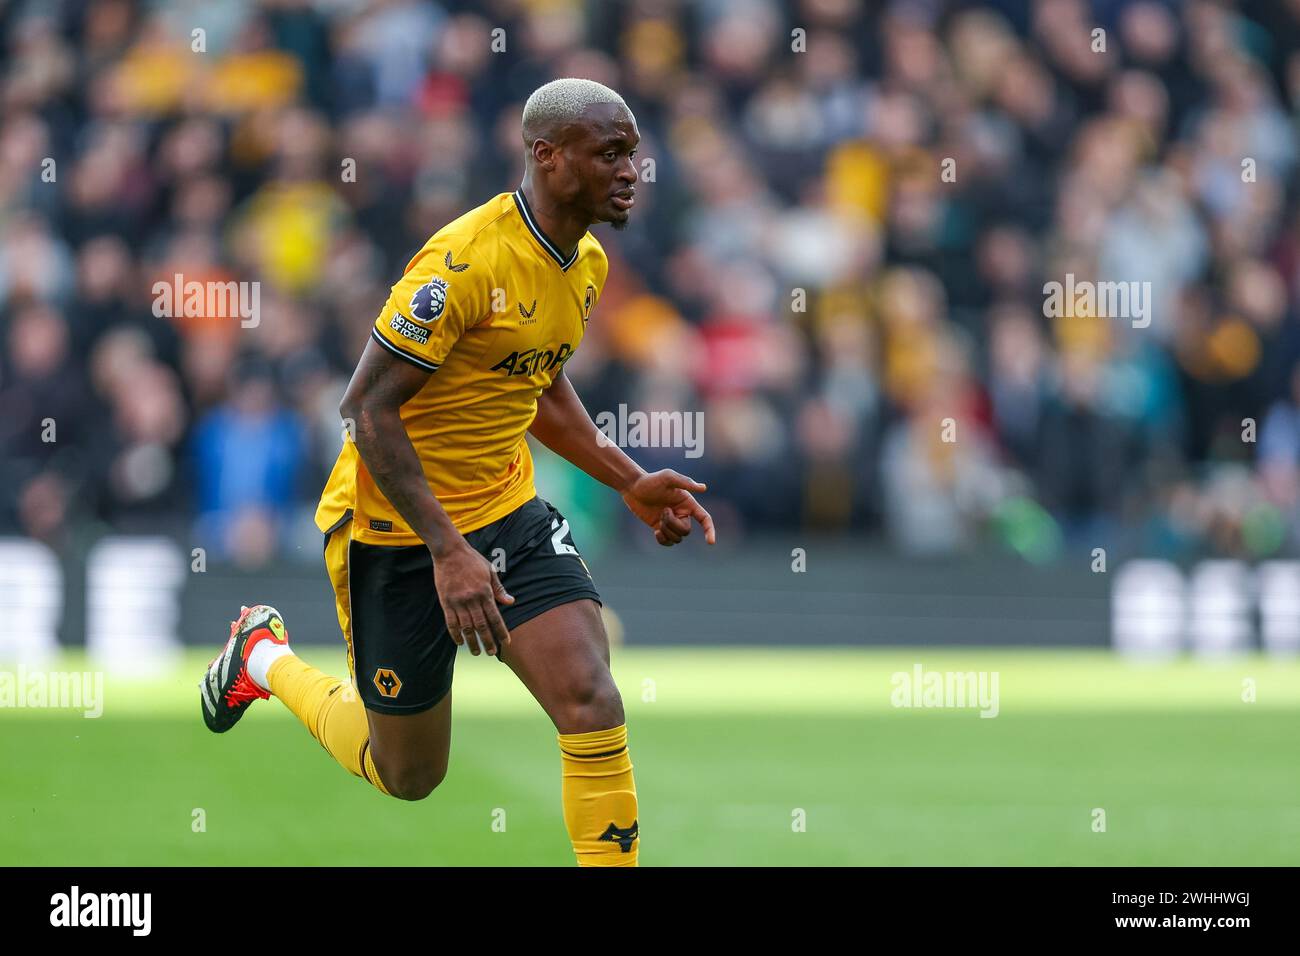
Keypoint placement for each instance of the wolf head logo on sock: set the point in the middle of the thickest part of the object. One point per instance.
(614, 834)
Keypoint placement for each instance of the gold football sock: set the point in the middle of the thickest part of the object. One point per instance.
(335, 718)
(599, 797)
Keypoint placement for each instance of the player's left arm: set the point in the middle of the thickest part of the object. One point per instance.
(663, 500)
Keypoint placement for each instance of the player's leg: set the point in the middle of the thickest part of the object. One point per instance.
(401, 749)
(559, 649)
(328, 706)
(562, 657)
(411, 753)
(402, 756)
(257, 662)
(400, 658)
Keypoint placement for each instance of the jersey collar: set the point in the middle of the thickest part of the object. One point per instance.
(531, 222)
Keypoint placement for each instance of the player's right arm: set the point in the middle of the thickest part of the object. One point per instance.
(466, 582)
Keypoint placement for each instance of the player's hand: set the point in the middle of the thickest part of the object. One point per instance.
(469, 591)
(663, 500)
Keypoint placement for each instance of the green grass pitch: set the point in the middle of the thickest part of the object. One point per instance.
(728, 746)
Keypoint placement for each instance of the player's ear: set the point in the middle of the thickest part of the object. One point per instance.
(544, 154)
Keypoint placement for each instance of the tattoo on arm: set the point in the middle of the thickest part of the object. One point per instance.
(380, 386)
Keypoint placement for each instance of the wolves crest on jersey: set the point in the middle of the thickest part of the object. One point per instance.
(430, 300)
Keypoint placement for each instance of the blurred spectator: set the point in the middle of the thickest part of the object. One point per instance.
(248, 456)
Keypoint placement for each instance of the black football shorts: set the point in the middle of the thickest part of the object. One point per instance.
(400, 653)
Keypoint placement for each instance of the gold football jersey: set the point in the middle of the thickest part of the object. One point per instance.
(493, 310)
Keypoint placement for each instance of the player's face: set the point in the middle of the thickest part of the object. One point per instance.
(600, 159)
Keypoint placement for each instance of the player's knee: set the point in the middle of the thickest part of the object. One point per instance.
(412, 781)
(592, 705)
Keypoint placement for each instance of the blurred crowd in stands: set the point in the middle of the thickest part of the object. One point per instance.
(840, 259)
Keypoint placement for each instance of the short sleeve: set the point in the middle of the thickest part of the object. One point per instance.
(436, 300)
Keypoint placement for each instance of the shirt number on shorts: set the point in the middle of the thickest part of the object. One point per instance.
(561, 529)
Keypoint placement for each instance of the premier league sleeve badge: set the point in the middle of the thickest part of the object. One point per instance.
(430, 300)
